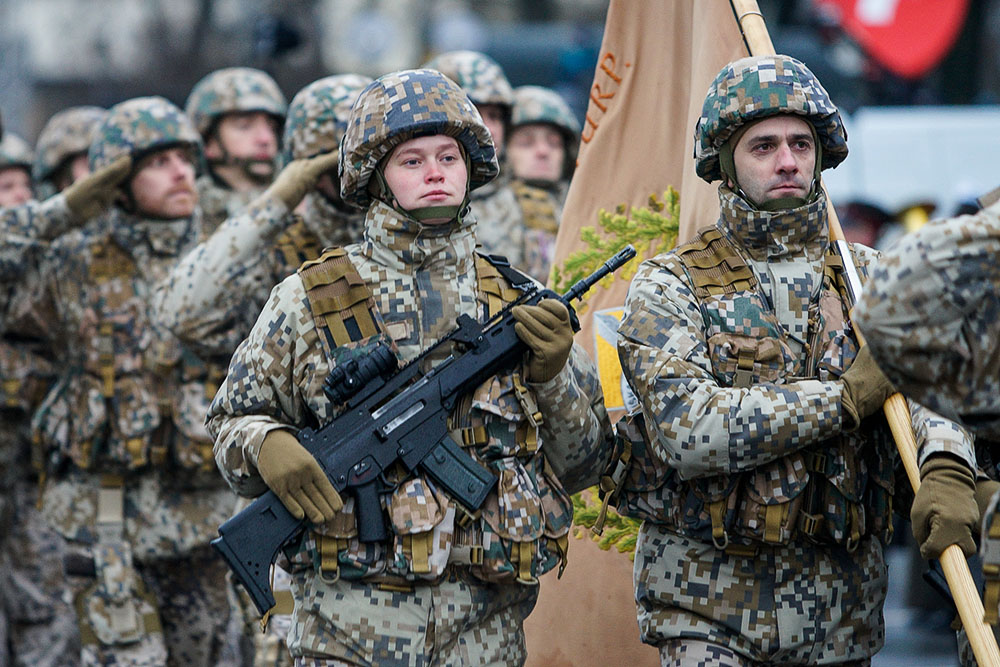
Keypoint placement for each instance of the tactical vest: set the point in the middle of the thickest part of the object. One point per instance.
(834, 492)
(541, 223)
(296, 245)
(108, 412)
(430, 532)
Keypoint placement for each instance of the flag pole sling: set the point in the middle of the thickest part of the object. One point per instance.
(956, 569)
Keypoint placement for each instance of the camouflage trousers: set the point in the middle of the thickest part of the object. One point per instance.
(268, 647)
(39, 624)
(796, 604)
(183, 606)
(458, 621)
(694, 653)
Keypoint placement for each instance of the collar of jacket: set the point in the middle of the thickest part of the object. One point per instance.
(164, 238)
(401, 242)
(768, 235)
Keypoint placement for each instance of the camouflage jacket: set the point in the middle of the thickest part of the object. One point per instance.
(130, 399)
(931, 314)
(422, 278)
(541, 212)
(211, 298)
(218, 202)
(705, 432)
(501, 228)
(25, 229)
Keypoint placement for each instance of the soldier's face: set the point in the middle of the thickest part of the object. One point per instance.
(493, 118)
(536, 152)
(163, 184)
(15, 187)
(246, 136)
(775, 159)
(427, 171)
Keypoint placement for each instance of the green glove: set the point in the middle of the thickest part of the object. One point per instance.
(865, 389)
(545, 329)
(299, 176)
(944, 510)
(294, 475)
(92, 194)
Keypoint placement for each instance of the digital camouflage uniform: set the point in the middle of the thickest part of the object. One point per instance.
(211, 298)
(931, 314)
(131, 486)
(494, 204)
(65, 136)
(541, 202)
(224, 91)
(438, 591)
(40, 627)
(765, 519)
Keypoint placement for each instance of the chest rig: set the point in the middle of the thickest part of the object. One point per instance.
(429, 531)
(296, 245)
(834, 492)
(138, 399)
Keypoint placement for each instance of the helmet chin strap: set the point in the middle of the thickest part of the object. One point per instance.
(244, 164)
(379, 189)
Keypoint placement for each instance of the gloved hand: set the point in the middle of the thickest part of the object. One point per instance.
(545, 329)
(294, 475)
(299, 176)
(865, 389)
(985, 490)
(88, 197)
(944, 510)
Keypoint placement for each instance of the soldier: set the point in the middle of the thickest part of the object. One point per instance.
(131, 486)
(61, 150)
(930, 312)
(212, 296)
(541, 152)
(16, 187)
(42, 627)
(239, 112)
(441, 589)
(769, 465)
(501, 228)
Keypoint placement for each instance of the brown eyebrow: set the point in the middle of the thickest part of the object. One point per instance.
(773, 138)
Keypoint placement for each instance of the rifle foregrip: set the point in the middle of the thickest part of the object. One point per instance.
(249, 542)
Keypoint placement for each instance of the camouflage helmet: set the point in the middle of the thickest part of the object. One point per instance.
(234, 90)
(402, 105)
(141, 126)
(15, 152)
(753, 88)
(537, 104)
(480, 76)
(318, 114)
(68, 133)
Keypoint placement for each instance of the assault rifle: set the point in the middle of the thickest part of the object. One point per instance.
(392, 415)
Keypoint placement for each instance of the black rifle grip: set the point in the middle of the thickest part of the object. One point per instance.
(249, 542)
(371, 523)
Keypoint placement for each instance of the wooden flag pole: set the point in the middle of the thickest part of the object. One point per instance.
(956, 569)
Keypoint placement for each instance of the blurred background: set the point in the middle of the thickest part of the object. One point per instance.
(918, 82)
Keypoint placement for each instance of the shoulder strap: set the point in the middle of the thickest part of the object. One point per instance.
(297, 244)
(714, 265)
(498, 283)
(536, 207)
(342, 305)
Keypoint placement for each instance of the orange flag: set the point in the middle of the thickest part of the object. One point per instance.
(655, 65)
(656, 62)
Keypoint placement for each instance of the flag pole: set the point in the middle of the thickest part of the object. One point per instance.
(956, 569)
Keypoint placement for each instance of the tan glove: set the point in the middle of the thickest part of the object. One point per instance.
(545, 329)
(294, 475)
(944, 510)
(865, 389)
(299, 176)
(92, 194)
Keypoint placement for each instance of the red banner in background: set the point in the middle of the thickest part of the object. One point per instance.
(907, 37)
